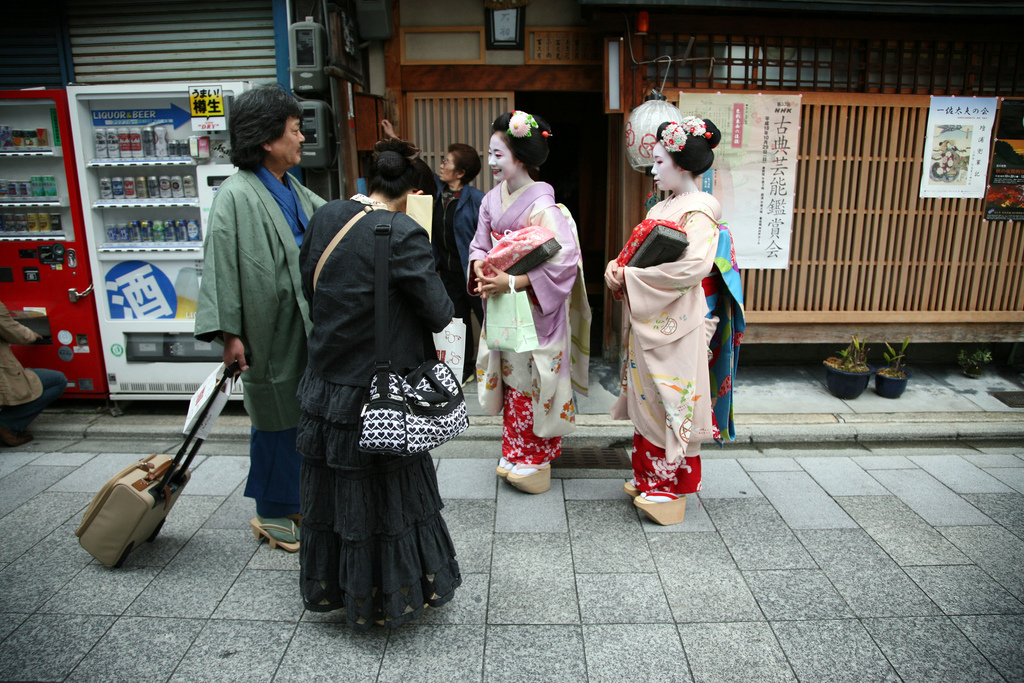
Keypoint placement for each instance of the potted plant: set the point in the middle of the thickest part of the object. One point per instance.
(972, 363)
(847, 376)
(891, 381)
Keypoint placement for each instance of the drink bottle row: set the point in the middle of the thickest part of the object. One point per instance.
(31, 222)
(148, 142)
(20, 190)
(148, 231)
(128, 189)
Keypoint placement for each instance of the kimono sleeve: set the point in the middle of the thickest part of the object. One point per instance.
(481, 243)
(412, 268)
(220, 304)
(552, 280)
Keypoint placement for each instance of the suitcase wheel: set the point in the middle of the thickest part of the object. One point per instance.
(152, 536)
(124, 555)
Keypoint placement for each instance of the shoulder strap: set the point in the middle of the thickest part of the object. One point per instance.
(334, 242)
(381, 275)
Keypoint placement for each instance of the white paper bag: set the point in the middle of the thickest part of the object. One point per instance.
(201, 397)
(451, 346)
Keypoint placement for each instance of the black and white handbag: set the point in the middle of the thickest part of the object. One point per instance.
(415, 413)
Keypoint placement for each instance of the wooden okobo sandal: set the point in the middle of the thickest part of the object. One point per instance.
(666, 513)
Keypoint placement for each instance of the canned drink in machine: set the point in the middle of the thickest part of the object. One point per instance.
(124, 142)
(165, 187)
(141, 187)
(176, 190)
(129, 187)
(106, 188)
(117, 187)
(153, 187)
(100, 143)
(113, 144)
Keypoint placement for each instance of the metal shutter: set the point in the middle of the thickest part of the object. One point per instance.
(126, 41)
(30, 55)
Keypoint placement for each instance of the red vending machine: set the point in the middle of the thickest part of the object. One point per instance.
(45, 274)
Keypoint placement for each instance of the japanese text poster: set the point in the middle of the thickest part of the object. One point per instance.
(754, 169)
(1004, 199)
(956, 148)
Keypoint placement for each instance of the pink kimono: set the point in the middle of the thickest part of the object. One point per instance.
(665, 381)
(535, 389)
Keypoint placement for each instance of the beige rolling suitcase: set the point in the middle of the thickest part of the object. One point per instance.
(131, 508)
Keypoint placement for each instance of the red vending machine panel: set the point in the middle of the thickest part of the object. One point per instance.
(45, 272)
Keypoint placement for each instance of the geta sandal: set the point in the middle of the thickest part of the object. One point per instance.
(280, 532)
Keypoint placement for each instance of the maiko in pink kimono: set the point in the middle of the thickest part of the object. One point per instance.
(666, 390)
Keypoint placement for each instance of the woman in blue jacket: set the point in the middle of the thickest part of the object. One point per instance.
(456, 208)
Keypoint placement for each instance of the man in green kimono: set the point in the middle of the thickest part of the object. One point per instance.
(250, 296)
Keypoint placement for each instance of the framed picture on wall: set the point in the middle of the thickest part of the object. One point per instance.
(506, 28)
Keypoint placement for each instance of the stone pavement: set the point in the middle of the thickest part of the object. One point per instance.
(853, 556)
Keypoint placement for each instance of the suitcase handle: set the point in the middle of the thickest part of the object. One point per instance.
(162, 492)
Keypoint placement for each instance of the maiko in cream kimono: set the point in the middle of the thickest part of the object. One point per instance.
(665, 383)
(561, 313)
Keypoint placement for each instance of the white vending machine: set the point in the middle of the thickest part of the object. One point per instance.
(150, 158)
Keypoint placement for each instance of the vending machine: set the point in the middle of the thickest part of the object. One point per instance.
(150, 160)
(45, 271)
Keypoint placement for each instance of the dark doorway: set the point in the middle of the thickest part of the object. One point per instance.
(577, 167)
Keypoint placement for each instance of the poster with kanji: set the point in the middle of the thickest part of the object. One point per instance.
(206, 104)
(1004, 198)
(754, 169)
(956, 147)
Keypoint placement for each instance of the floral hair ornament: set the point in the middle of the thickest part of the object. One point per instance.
(674, 137)
(520, 124)
(696, 126)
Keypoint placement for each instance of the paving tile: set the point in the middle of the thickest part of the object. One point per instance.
(959, 475)
(90, 477)
(695, 519)
(512, 654)
(964, 589)
(433, 654)
(20, 486)
(594, 489)
(796, 594)
(986, 460)
(930, 650)
(724, 478)
(907, 538)
(518, 594)
(801, 502)
(328, 652)
(46, 647)
(234, 513)
(756, 535)
(606, 537)
(994, 549)
(42, 571)
(768, 465)
(632, 598)
(617, 652)
(799, 390)
(471, 525)
(12, 462)
(248, 651)
(519, 512)
(727, 653)
(469, 606)
(63, 459)
(867, 579)
(842, 477)
(275, 560)
(926, 496)
(467, 478)
(114, 656)
(1007, 509)
(218, 476)
(186, 517)
(27, 524)
(1011, 476)
(836, 651)
(264, 595)
(883, 462)
(999, 638)
(9, 621)
(101, 590)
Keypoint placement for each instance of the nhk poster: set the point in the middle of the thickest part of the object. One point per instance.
(755, 169)
(1004, 198)
(956, 148)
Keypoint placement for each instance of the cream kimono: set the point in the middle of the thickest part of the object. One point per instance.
(665, 382)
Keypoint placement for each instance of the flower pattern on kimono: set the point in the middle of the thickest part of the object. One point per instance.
(536, 390)
(492, 382)
(663, 323)
(547, 405)
(480, 375)
(506, 368)
(569, 411)
(556, 363)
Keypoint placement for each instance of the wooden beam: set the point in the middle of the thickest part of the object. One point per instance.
(393, 70)
(572, 78)
(875, 333)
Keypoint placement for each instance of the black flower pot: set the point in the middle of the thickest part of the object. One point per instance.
(846, 385)
(890, 387)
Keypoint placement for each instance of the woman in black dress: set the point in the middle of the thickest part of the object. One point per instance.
(373, 540)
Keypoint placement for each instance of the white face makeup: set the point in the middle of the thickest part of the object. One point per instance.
(499, 157)
(667, 175)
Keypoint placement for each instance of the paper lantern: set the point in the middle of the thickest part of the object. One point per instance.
(642, 130)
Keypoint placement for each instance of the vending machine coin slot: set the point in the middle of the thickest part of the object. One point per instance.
(51, 254)
(30, 274)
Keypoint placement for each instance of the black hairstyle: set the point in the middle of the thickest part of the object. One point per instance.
(696, 156)
(258, 116)
(423, 177)
(392, 171)
(466, 160)
(530, 151)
